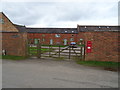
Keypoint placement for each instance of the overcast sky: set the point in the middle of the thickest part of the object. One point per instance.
(62, 13)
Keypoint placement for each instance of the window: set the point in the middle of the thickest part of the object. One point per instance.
(71, 39)
(1, 21)
(15, 36)
(65, 41)
(65, 31)
(43, 39)
(51, 41)
(81, 39)
(72, 31)
(35, 41)
(57, 35)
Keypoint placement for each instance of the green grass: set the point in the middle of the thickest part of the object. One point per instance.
(59, 58)
(0, 56)
(55, 45)
(33, 50)
(105, 64)
(62, 45)
(81, 45)
(13, 57)
(43, 49)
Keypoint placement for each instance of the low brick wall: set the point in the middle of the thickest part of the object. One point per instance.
(14, 43)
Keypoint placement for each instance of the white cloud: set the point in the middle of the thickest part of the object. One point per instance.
(60, 0)
(62, 14)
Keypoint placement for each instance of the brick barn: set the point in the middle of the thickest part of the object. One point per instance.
(13, 41)
(104, 42)
(53, 36)
(104, 39)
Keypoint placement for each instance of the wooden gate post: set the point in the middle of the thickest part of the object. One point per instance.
(28, 48)
(38, 49)
(81, 53)
(69, 51)
(59, 51)
(84, 52)
(49, 50)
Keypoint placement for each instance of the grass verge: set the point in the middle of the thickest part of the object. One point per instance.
(105, 64)
(13, 57)
(55, 45)
(33, 50)
(59, 58)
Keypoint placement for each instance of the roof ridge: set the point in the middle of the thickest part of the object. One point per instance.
(98, 25)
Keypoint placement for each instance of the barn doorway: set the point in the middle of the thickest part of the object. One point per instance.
(35, 41)
(51, 41)
(65, 41)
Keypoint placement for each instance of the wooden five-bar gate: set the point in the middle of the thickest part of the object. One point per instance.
(56, 51)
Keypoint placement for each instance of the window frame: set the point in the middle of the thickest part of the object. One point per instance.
(71, 39)
(1, 21)
(57, 35)
(43, 39)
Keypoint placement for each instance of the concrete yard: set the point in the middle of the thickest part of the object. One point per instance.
(36, 73)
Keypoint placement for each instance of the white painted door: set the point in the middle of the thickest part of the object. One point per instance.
(51, 41)
(65, 41)
(35, 41)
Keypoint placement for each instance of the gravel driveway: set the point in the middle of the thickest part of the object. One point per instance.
(36, 73)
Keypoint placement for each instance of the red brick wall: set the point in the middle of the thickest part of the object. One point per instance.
(104, 45)
(7, 25)
(47, 37)
(14, 45)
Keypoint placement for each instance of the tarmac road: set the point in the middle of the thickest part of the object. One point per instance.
(36, 73)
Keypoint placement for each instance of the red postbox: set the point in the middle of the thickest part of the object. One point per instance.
(89, 47)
